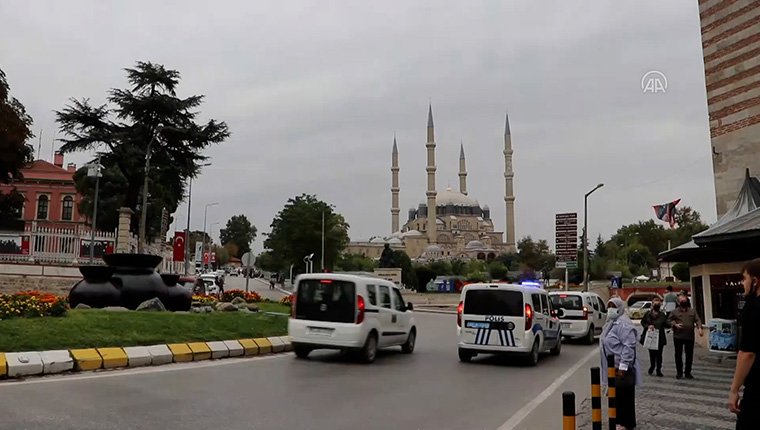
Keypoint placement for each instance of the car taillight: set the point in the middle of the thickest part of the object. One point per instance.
(585, 313)
(528, 317)
(460, 309)
(359, 309)
(293, 306)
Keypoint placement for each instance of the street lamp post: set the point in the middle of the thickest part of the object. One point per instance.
(94, 170)
(187, 230)
(144, 206)
(203, 247)
(585, 236)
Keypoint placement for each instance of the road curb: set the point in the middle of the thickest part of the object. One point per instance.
(36, 363)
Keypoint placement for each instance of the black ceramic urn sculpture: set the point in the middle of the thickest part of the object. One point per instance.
(128, 280)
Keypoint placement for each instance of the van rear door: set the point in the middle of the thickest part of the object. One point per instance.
(327, 300)
(493, 317)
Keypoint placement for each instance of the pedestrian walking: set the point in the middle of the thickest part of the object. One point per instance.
(655, 320)
(220, 283)
(671, 300)
(684, 320)
(619, 339)
(747, 371)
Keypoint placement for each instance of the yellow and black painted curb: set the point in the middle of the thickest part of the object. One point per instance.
(31, 363)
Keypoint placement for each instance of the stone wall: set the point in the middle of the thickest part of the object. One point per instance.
(46, 284)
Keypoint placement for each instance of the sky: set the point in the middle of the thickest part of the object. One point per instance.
(314, 92)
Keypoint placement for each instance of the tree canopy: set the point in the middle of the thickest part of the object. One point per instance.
(239, 232)
(123, 129)
(15, 153)
(296, 231)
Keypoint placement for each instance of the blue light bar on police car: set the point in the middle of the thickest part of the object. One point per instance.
(531, 284)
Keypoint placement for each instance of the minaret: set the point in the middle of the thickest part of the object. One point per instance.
(462, 171)
(394, 188)
(432, 227)
(509, 192)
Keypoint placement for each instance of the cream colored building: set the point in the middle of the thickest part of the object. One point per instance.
(462, 228)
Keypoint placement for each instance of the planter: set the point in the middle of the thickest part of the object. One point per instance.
(127, 281)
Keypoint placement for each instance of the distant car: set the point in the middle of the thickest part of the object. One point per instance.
(637, 310)
(210, 283)
(582, 314)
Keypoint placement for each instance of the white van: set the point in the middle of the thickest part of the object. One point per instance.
(502, 318)
(349, 312)
(582, 314)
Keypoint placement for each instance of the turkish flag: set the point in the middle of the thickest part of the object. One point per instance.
(179, 246)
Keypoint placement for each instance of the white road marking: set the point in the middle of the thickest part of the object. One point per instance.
(142, 370)
(526, 410)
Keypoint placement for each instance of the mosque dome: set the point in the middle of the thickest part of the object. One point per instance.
(377, 240)
(412, 233)
(474, 245)
(433, 249)
(395, 241)
(455, 198)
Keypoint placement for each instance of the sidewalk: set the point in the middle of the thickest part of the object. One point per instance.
(670, 404)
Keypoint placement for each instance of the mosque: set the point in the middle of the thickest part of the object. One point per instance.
(462, 229)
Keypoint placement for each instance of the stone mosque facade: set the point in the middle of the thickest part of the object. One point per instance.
(462, 229)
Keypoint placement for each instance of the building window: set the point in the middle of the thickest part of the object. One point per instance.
(67, 212)
(43, 202)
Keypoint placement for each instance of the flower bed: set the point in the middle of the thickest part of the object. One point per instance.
(287, 300)
(249, 297)
(31, 304)
(205, 299)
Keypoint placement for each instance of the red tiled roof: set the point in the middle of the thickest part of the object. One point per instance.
(41, 169)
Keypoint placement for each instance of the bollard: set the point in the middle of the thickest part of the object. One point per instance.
(611, 406)
(568, 410)
(596, 399)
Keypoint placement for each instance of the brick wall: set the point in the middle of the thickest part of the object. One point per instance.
(731, 50)
(14, 284)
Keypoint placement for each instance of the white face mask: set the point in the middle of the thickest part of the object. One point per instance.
(612, 313)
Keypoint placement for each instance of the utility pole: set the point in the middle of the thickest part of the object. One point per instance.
(323, 242)
(187, 228)
(144, 205)
(585, 236)
(94, 171)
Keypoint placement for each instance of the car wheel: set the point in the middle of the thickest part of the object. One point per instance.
(301, 351)
(408, 347)
(533, 355)
(557, 348)
(465, 356)
(590, 336)
(368, 352)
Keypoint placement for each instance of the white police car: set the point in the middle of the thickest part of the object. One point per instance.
(500, 318)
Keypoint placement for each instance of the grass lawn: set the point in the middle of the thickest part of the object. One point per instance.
(96, 328)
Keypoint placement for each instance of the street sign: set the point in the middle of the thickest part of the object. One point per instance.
(566, 239)
(247, 259)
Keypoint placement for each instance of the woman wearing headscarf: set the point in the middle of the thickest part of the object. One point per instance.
(619, 339)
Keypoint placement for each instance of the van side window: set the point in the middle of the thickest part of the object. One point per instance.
(372, 295)
(595, 303)
(602, 306)
(385, 296)
(398, 302)
(545, 303)
(536, 302)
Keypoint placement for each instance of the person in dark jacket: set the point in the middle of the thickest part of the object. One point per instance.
(655, 319)
(747, 371)
(684, 320)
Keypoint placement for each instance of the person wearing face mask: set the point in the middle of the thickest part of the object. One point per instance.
(619, 339)
(655, 320)
(747, 371)
(684, 320)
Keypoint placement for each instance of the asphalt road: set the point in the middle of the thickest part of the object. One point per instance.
(260, 285)
(429, 389)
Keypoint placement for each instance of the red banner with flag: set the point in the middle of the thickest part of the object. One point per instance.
(179, 246)
(667, 212)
